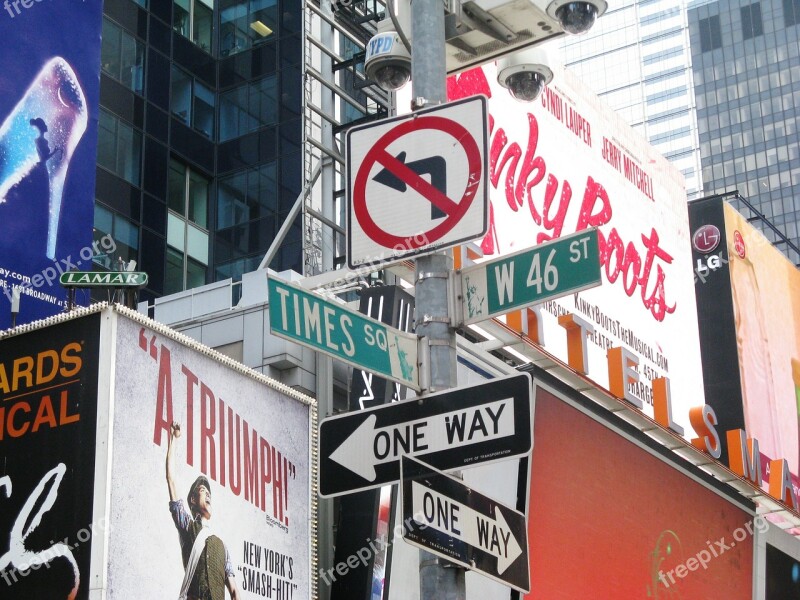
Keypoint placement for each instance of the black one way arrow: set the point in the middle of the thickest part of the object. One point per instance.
(435, 166)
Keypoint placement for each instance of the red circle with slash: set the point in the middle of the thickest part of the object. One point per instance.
(454, 211)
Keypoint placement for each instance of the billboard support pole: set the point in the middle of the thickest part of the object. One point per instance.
(438, 580)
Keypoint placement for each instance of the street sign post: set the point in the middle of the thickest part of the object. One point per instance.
(445, 517)
(309, 319)
(417, 183)
(556, 268)
(450, 430)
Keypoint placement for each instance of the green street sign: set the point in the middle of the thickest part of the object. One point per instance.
(556, 268)
(309, 319)
(103, 279)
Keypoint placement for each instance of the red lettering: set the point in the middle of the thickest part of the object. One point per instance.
(163, 417)
(221, 442)
(235, 453)
(208, 426)
(266, 472)
(191, 381)
(251, 487)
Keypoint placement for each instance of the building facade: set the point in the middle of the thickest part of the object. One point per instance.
(214, 114)
(746, 68)
(637, 59)
(710, 84)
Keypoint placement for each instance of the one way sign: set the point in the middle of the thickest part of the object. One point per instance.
(450, 430)
(447, 518)
(417, 183)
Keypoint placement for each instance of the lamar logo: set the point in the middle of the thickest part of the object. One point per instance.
(706, 238)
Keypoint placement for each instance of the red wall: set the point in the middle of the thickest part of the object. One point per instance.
(606, 515)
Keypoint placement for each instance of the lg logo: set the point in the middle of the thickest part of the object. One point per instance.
(340, 4)
(706, 239)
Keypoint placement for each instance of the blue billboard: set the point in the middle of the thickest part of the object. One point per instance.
(50, 80)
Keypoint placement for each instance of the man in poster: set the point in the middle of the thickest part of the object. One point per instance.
(207, 563)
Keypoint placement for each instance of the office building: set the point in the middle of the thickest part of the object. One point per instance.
(671, 68)
(214, 116)
(637, 59)
(746, 67)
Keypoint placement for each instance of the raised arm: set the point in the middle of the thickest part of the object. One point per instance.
(174, 433)
(232, 589)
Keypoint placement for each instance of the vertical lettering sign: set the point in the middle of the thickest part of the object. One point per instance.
(48, 403)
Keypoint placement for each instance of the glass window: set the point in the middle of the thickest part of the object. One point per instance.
(247, 108)
(751, 21)
(197, 199)
(124, 233)
(173, 277)
(192, 102)
(203, 110)
(247, 196)
(181, 95)
(122, 56)
(187, 220)
(710, 34)
(188, 193)
(119, 147)
(193, 19)
(244, 24)
(791, 12)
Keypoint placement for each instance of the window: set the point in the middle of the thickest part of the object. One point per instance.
(187, 236)
(193, 19)
(119, 147)
(791, 12)
(123, 232)
(247, 196)
(751, 21)
(710, 34)
(188, 194)
(192, 102)
(244, 24)
(122, 56)
(247, 108)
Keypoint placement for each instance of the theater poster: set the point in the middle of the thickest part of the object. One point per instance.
(48, 400)
(50, 78)
(565, 163)
(210, 475)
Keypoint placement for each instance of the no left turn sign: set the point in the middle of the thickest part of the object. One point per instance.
(417, 183)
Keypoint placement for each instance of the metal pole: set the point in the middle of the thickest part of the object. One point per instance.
(428, 74)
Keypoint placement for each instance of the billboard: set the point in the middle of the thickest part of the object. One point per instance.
(566, 163)
(237, 455)
(628, 524)
(48, 400)
(48, 135)
(748, 296)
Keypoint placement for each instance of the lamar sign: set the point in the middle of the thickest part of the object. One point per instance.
(103, 279)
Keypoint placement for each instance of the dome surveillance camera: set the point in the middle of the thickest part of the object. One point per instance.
(387, 61)
(576, 17)
(525, 74)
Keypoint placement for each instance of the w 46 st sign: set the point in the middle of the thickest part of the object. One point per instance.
(557, 268)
